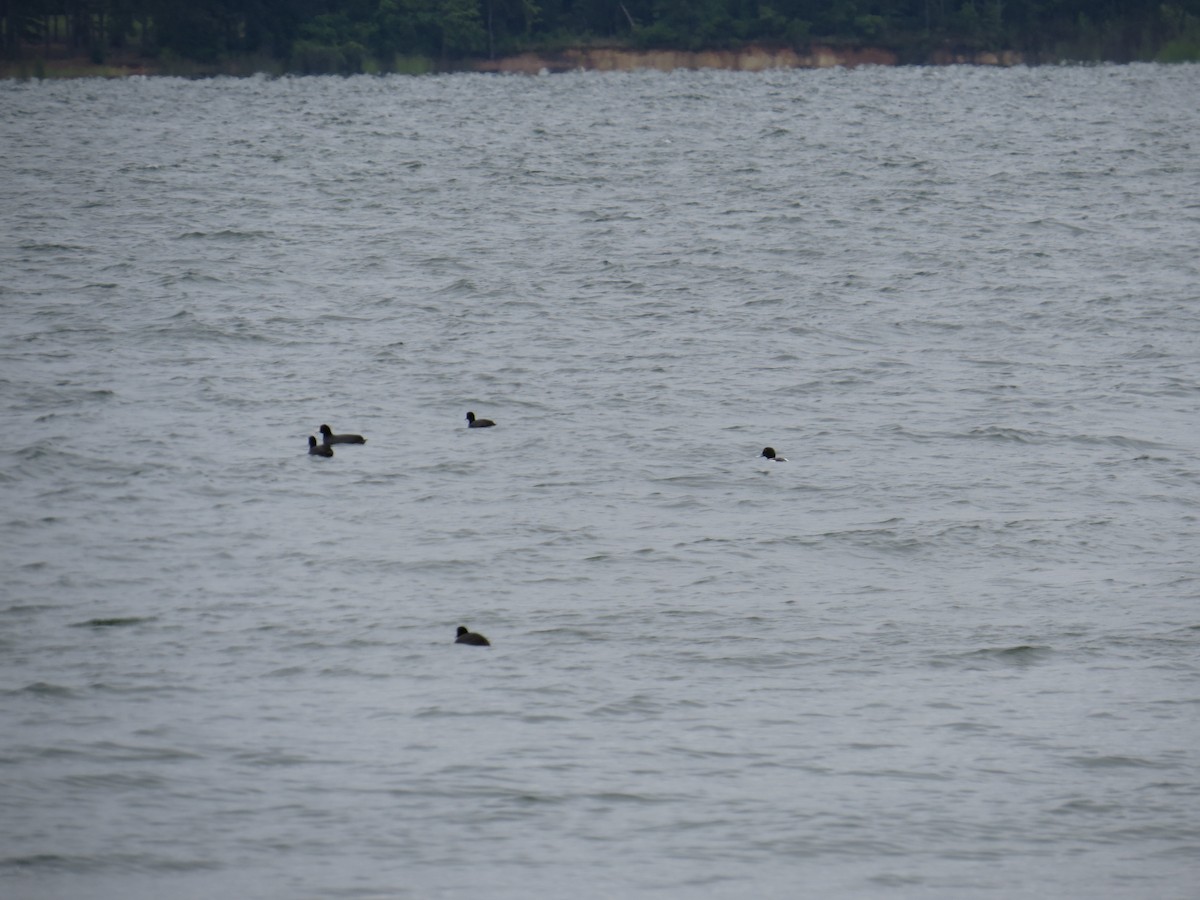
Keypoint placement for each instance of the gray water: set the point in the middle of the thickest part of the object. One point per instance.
(949, 649)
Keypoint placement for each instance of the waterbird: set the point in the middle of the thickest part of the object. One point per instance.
(473, 422)
(331, 438)
(769, 453)
(315, 449)
(470, 637)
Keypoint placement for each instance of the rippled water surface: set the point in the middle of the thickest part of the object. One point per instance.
(950, 648)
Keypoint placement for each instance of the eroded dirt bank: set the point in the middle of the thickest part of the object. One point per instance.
(751, 59)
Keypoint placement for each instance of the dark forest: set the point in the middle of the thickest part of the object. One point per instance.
(350, 36)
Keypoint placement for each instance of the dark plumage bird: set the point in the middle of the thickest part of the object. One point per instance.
(470, 637)
(769, 453)
(315, 449)
(331, 438)
(473, 422)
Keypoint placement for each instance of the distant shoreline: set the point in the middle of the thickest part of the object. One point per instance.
(749, 59)
(598, 59)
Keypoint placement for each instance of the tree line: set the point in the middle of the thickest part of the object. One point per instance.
(371, 35)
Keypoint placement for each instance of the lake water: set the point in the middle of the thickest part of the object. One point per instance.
(949, 649)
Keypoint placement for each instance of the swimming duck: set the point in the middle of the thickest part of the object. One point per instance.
(470, 637)
(473, 422)
(331, 438)
(315, 449)
(769, 453)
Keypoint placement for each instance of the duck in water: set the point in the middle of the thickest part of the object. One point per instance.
(470, 637)
(331, 438)
(473, 422)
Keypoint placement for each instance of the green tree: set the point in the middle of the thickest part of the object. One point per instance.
(462, 30)
(22, 24)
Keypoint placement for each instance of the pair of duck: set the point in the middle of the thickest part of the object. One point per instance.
(472, 422)
(325, 448)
